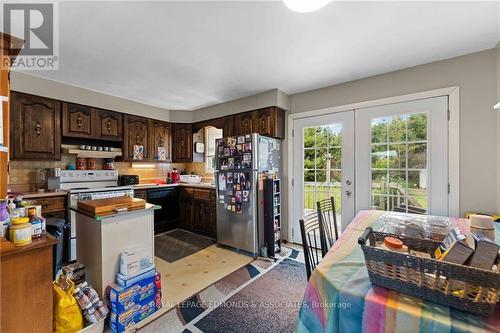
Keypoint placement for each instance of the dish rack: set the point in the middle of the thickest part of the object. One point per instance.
(463, 287)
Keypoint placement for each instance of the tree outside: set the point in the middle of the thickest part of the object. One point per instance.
(399, 163)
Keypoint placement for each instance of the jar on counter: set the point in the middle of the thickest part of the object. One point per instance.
(20, 233)
(91, 164)
(81, 163)
(108, 164)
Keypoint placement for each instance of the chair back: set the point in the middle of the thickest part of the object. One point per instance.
(327, 216)
(310, 231)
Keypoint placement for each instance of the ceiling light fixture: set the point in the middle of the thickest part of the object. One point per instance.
(305, 6)
(497, 106)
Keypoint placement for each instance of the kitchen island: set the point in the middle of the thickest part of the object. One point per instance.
(102, 237)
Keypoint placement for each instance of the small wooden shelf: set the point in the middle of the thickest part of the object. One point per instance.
(66, 149)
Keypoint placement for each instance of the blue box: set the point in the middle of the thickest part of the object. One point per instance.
(119, 321)
(123, 298)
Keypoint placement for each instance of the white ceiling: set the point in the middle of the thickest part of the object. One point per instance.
(185, 55)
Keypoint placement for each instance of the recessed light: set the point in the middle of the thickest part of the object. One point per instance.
(305, 6)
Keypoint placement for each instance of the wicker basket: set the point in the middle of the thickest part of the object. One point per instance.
(467, 288)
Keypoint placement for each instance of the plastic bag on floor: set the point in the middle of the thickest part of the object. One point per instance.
(67, 314)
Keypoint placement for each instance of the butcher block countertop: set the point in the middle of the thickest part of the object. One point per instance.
(102, 216)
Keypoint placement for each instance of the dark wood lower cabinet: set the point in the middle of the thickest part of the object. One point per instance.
(197, 211)
(201, 216)
(186, 208)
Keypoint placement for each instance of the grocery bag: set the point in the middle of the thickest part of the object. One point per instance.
(67, 314)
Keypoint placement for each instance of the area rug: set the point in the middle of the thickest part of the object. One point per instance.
(263, 296)
(177, 244)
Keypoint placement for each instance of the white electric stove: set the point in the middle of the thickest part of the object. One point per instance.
(88, 185)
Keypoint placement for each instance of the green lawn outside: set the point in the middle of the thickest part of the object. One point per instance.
(312, 194)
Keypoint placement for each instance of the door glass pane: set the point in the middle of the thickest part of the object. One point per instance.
(399, 163)
(322, 166)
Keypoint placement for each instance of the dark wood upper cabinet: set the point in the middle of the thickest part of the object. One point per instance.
(80, 121)
(225, 123)
(161, 136)
(136, 132)
(268, 121)
(109, 125)
(77, 120)
(182, 143)
(243, 123)
(35, 127)
(265, 121)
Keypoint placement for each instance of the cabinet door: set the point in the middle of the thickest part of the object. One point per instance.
(78, 120)
(265, 121)
(161, 136)
(35, 127)
(136, 131)
(109, 125)
(182, 143)
(186, 209)
(202, 216)
(243, 123)
(228, 129)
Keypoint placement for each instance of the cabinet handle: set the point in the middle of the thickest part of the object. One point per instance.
(108, 124)
(79, 121)
(38, 128)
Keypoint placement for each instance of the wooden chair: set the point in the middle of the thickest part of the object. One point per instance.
(327, 216)
(312, 238)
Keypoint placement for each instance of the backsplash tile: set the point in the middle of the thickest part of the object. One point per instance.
(22, 175)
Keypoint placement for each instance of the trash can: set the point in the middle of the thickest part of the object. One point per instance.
(57, 227)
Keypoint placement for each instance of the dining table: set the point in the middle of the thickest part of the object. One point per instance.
(340, 298)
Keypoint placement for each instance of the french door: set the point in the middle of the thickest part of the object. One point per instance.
(323, 166)
(391, 157)
(402, 157)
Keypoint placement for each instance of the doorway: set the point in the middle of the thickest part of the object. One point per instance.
(390, 157)
(323, 166)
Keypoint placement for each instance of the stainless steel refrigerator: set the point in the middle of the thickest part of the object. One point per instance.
(242, 163)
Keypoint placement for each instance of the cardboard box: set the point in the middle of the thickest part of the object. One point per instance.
(119, 321)
(134, 261)
(122, 298)
(455, 248)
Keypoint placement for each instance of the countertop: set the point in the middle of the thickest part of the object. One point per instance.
(101, 216)
(33, 195)
(152, 186)
(8, 248)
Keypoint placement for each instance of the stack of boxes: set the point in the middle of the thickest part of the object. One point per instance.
(137, 293)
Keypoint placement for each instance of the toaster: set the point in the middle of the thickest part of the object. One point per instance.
(125, 180)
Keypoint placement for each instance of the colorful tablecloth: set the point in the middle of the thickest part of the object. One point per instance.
(340, 298)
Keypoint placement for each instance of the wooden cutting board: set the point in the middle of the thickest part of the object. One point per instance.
(110, 205)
